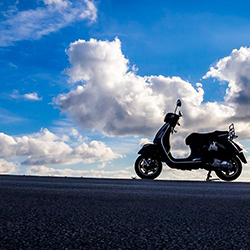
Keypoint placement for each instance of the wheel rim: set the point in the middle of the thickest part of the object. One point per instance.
(148, 170)
(233, 172)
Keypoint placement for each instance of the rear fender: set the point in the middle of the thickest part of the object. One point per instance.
(149, 150)
(233, 149)
(238, 151)
(242, 157)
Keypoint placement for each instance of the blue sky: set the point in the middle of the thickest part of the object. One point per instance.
(60, 92)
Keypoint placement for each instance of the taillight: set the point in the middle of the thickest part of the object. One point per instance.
(238, 147)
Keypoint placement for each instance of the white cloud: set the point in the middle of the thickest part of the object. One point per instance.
(74, 132)
(32, 96)
(7, 167)
(90, 12)
(116, 101)
(43, 170)
(92, 60)
(234, 70)
(29, 96)
(35, 23)
(45, 148)
(35, 145)
(57, 3)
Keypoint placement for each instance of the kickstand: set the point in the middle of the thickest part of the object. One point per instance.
(209, 176)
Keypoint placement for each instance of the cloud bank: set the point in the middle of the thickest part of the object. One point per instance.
(7, 167)
(113, 99)
(45, 148)
(43, 170)
(51, 17)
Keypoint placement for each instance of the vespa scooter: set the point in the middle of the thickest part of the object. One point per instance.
(215, 151)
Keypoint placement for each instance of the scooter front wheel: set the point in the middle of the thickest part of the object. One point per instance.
(148, 167)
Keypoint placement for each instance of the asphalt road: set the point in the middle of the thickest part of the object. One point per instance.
(79, 213)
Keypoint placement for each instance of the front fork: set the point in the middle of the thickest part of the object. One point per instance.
(148, 164)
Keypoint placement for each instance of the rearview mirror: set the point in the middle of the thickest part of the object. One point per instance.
(178, 103)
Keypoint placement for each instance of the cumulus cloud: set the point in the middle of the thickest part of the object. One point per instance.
(43, 170)
(234, 70)
(45, 148)
(7, 167)
(35, 23)
(115, 100)
(86, 153)
(91, 59)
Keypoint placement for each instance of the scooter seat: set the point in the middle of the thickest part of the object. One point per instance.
(195, 138)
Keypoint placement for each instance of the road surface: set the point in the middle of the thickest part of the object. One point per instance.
(82, 213)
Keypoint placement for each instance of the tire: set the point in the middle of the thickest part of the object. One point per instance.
(231, 175)
(148, 172)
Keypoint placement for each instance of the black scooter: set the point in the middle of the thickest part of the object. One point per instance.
(214, 151)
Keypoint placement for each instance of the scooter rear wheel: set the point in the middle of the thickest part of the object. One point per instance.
(148, 167)
(230, 175)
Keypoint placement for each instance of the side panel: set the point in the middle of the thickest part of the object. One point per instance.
(228, 149)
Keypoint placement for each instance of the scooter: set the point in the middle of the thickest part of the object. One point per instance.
(215, 151)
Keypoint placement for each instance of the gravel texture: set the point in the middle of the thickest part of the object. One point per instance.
(79, 213)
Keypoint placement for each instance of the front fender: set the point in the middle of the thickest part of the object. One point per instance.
(149, 150)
